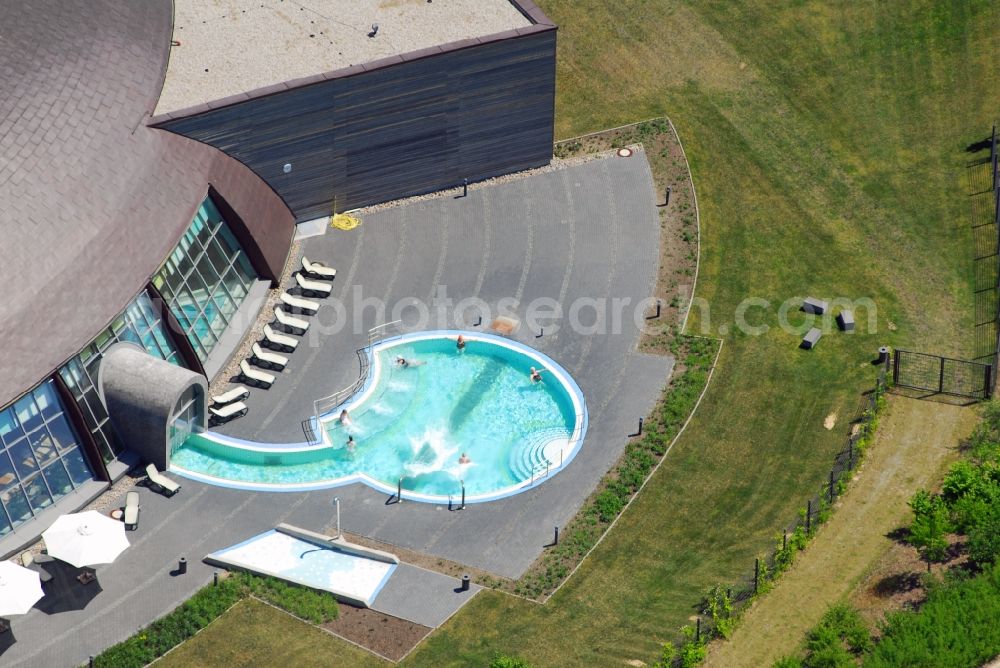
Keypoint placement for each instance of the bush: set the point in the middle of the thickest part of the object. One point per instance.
(836, 642)
(506, 661)
(205, 606)
(984, 537)
(957, 626)
(930, 524)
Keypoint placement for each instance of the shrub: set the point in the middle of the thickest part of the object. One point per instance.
(955, 627)
(984, 537)
(930, 523)
(506, 661)
(204, 607)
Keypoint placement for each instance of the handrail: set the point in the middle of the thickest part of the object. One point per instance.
(545, 435)
(325, 404)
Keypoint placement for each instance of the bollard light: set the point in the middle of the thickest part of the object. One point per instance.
(336, 502)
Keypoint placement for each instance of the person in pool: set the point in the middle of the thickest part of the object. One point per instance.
(536, 375)
(464, 459)
(351, 445)
(401, 361)
(345, 417)
(460, 343)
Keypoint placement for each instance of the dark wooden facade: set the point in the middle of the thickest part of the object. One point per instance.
(404, 126)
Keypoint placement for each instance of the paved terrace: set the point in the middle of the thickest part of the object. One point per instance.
(235, 46)
(585, 231)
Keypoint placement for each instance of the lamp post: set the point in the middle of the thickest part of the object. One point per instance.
(336, 502)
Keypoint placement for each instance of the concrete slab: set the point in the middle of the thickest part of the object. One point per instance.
(421, 596)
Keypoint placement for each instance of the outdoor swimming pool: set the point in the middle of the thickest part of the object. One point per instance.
(410, 425)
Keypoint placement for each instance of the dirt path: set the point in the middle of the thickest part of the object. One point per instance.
(915, 441)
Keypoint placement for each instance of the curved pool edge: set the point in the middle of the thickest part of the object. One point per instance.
(574, 443)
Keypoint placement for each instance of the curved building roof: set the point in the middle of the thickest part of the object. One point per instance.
(91, 200)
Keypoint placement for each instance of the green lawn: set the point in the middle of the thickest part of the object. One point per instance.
(827, 143)
(827, 147)
(266, 637)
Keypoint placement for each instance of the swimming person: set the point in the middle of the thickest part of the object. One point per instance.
(536, 375)
(401, 361)
(351, 445)
(345, 417)
(460, 343)
(464, 459)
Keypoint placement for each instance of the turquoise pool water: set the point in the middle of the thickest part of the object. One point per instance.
(416, 422)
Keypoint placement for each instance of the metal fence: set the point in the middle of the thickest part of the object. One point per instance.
(942, 375)
(995, 184)
(814, 512)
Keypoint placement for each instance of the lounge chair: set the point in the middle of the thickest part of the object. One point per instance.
(272, 360)
(131, 515)
(229, 411)
(228, 397)
(280, 340)
(313, 287)
(157, 479)
(255, 375)
(28, 561)
(318, 269)
(299, 303)
(288, 321)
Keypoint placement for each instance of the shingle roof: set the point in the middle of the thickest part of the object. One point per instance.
(91, 200)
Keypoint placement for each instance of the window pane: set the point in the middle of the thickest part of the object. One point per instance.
(7, 475)
(62, 434)
(47, 400)
(58, 479)
(43, 446)
(5, 526)
(16, 504)
(24, 461)
(38, 493)
(77, 467)
(27, 413)
(107, 452)
(10, 430)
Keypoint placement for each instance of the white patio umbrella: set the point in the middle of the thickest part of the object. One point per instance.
(85, 539)
(20, 588)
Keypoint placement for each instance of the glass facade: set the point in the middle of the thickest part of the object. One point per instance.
(140, 323)
(205, 279)
(40, 458)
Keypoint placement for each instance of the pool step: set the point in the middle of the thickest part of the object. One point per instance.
(528, 460)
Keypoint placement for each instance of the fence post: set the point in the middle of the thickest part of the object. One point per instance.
(941, 377)
(831, 487)
(809, 512)
(756, 576)
(697, 630)
(784, 541)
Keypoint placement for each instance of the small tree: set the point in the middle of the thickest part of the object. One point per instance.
(930, 524)
(501, 660)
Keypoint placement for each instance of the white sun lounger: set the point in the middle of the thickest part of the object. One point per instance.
(286, 320)
(229, 411)
(238, 392)
(273, 360)
(318, 269)
(315, 287)
(301, 304)
(161, 481)
(131, 515)
(277, 339)
(257, 376)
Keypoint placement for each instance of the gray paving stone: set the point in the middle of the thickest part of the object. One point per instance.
(587, 231)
